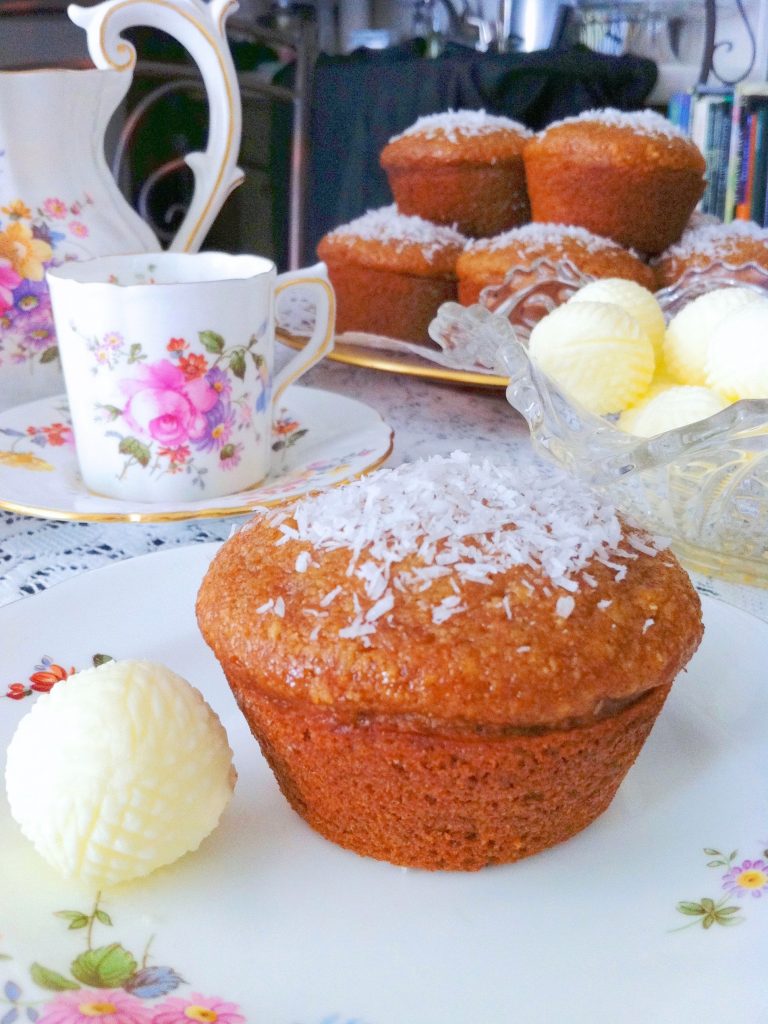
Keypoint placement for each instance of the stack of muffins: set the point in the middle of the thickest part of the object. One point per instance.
(476, 195)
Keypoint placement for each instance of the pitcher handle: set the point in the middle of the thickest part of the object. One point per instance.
(321, 340)
(200, 28)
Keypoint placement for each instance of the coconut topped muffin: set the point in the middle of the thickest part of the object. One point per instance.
(457, 135)
(461, 167)
(540, 237)
(487, 260)
(638, 122)
(387, 239)
(524, 598)
(634, 177)
(735, 244)
(449, 664)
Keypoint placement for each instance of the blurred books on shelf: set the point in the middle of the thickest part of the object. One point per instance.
(730, 127)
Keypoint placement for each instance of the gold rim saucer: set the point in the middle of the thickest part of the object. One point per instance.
(377, 435)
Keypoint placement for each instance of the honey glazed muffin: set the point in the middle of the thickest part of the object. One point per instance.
(449, 664)
(633, 177)
(704, 247)
(461, 167)
(390, 273)
(487, 261)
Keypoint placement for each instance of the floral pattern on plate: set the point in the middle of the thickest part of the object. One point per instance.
(319, 440)
(740, 880)
(326, 932)
(108, 983)
(30, 242)
(55, 435)
(44, 677)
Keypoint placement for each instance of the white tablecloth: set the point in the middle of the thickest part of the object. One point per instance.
(428, 418)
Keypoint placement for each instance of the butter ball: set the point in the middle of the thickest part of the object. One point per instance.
(669, 408)
(686, 345)
(117, 771)
(633, 299)
(596, 352)
(737, 361)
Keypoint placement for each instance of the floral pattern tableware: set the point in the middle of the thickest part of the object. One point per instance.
(171, 362)
(32, 241)
(317, 440)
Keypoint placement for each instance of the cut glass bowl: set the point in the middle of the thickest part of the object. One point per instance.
(703, 485)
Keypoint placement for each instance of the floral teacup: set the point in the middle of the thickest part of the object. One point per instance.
(168, 364)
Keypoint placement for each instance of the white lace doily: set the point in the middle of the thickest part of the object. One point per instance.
(36, 554)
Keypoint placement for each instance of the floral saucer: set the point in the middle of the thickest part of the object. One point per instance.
(320, 440)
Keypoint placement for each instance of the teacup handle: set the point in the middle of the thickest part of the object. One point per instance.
(321, 340)
(200, 28)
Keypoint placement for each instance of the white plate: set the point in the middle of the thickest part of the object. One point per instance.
(320, 440)
(294, 930)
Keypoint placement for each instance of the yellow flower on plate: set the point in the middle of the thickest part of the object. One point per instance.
(752, 878)
(26, 253)
(17, 209)
(24, 460)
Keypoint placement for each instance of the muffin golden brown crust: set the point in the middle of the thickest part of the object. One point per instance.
(448, 720)
(462, 167)
(487, 261)
(634, 178)
(390, 273)
(474, 674)
(445, 800)
(736, 245)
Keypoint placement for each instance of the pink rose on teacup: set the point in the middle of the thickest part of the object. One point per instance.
(8, 281)
(166, 405)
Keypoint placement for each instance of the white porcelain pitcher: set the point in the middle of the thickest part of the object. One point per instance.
(58, 200)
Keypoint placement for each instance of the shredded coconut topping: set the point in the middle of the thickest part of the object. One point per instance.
(712, 239)
(454, 515)
(454, 123)
(646, 122)
(388, 225)
(532, 237)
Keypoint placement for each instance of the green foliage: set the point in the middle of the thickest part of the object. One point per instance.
(45, 978)
(211, 341)
(104, 967)
(133, 447)
(237, 363)
(709, 912)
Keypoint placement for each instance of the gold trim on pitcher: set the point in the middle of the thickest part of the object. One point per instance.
(122, 46)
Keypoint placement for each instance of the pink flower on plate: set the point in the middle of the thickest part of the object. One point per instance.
(78, 229)
(55, 208)
(164, 405)
(107, 1006)
(206, 1009)
(8, 281)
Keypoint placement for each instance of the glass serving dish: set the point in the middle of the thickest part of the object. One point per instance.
(704, 485)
